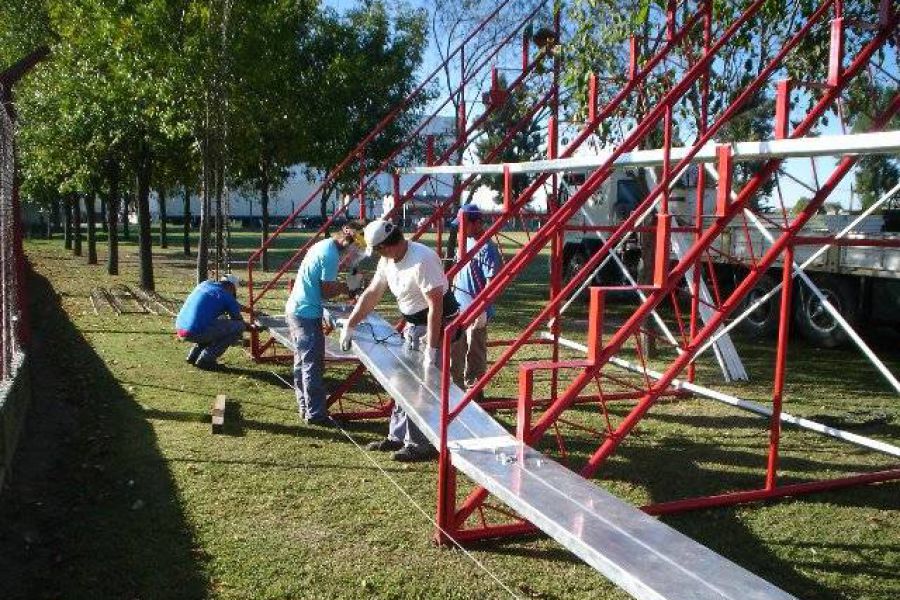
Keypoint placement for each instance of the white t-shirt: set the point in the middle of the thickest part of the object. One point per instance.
(409, 279)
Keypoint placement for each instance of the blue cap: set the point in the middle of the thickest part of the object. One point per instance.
(470, 210)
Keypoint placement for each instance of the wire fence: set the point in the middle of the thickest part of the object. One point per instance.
(11, 258)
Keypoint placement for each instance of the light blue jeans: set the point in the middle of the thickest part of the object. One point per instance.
(309, 366)
(401, 429)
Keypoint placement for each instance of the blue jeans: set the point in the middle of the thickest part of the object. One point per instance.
(400, 428)
(309, 365)
(215, 339)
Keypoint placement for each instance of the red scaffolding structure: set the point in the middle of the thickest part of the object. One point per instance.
(688, 25)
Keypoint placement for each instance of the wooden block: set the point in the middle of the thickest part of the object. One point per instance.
(218, 414)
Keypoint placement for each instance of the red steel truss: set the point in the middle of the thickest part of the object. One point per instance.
(466, 520)
(593, 379)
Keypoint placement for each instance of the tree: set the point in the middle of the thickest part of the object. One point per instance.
(269, 124)
(358, 68)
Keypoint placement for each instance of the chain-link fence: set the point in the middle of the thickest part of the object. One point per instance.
(10, 249)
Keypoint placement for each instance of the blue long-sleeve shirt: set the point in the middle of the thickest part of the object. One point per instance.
(204, 305)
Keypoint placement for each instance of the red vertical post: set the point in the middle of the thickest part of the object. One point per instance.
(723, 192)
(782, 108)
(784, 321)
(429, 150)
(495, 80)
(507, 191)
(884, 13)
(592, 98)
(661, 257)
(595, 324)
(836, 53)
(552, 139)
(461, 234)
(525, 404)
(526, 41)
(670, 20)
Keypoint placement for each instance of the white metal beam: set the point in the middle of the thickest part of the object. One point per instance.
(885, 142)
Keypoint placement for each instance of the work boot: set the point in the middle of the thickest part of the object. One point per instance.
(207, 365)
(327, 422)
(415, 454)
(385, 445)
(194, 354)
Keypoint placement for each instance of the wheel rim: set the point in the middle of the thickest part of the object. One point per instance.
(761, 315)
(817, 315)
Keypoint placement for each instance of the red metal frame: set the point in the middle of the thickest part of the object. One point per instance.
(468, 520)
(452, 517)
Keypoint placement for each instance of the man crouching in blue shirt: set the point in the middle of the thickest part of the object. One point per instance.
(198, 321)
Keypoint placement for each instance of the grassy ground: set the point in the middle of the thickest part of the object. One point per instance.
(121, 491)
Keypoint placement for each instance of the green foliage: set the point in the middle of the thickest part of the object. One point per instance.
(524, 145)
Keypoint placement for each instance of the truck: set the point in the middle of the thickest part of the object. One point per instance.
(861, 282)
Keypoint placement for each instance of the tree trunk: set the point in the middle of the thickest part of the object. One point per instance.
(54, 217)
(103, 224)
(112, 218)
(205, 205)
(67, 223)
(163, 237)
(145, 236)
(264, 207)
(187, 221)
(91, 228)
(126, 227)
(220, 217)
(76, 224)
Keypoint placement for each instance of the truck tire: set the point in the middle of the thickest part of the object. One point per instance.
(814, 322)
(762, 322)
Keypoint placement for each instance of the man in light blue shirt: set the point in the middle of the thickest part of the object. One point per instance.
(316, 282)
(468, 354)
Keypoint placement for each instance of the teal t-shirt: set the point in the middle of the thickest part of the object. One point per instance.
(320, 264)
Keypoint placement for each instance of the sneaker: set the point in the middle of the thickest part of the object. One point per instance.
(207, 365)
(415, 454)
(194, 354)
(327, 422)
(385, 445)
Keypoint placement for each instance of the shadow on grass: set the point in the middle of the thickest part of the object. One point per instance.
(92, 510)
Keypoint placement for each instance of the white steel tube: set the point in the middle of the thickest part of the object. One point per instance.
(747, 405)
(884, 142)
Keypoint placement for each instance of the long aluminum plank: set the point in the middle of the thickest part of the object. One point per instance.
(885, 142)
(638, 553)
(643, 556)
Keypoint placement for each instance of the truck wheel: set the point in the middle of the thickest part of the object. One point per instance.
(573, 263)
(763, 321)
(815, 322)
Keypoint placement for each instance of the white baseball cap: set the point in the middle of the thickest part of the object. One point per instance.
(376, 232)
(230, 278)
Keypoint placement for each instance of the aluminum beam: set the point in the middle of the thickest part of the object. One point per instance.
(885, 142)
(643, 556)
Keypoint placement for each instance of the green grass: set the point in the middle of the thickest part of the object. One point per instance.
(132, 497)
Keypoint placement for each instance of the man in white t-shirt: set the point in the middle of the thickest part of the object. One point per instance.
(415, 276)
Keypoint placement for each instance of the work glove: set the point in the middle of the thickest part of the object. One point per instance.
(430, 357)
(346, 336)
(355, 283)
